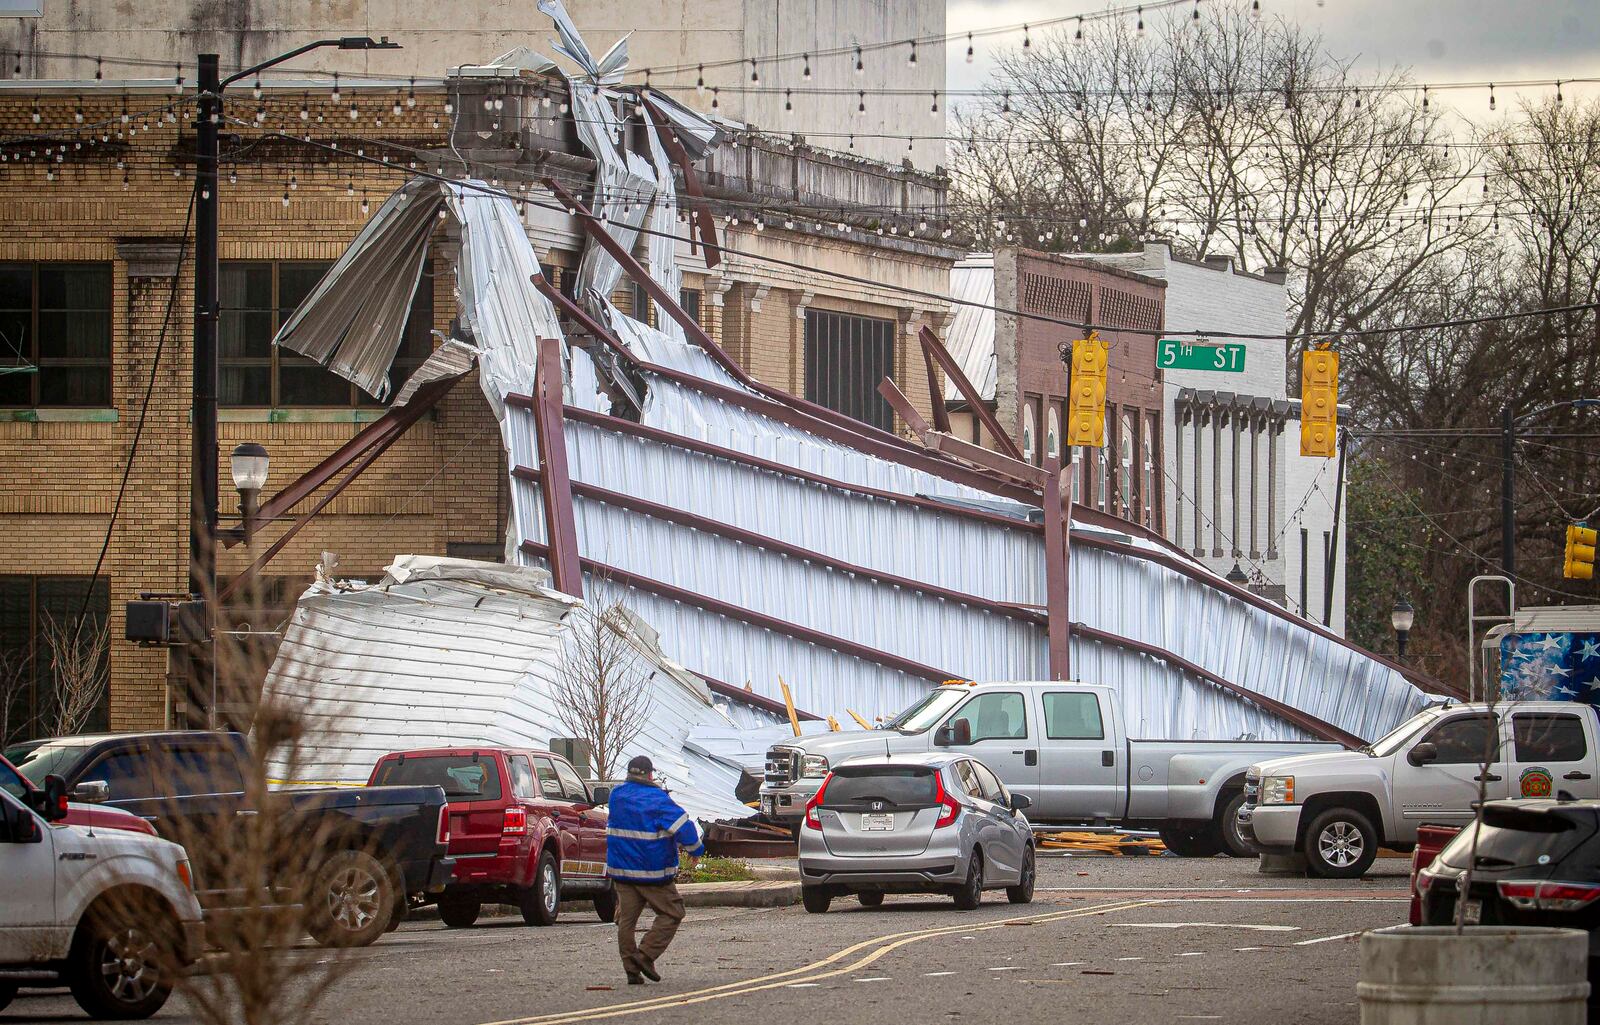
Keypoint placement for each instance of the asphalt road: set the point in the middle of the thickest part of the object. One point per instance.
(1149, 940)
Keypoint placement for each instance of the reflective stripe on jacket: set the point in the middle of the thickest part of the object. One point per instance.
(644, 832)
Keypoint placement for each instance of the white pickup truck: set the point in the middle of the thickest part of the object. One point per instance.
(110, 912)
(1337, 809)
(1065, 746)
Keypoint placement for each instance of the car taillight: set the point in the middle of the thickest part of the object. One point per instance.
(813, 819)
(1547, 895)
(444, 824)
(948, 808)
(516, 821)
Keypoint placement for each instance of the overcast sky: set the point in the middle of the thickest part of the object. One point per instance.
(1442, 40)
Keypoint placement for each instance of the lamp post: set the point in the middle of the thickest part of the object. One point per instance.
(203, 410)
(1401, 617)
(1236, 575)
(249, 463)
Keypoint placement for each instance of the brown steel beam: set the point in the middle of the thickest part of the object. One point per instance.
(753, 699)
(596, 230)
(561, 528)
(705, 224)
(854, 649)
(1057, 584)
(382, 431)
(1304, 720)
(941, 412)
(988, 458)
(980, 409)
(703, 524)
(900, 404)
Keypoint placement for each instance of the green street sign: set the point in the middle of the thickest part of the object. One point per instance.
(1172, 354)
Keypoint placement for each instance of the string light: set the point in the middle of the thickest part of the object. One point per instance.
(1491, 95)
(1027, 41)
(859, 66)
(934, 110)
(755, 76)
(336, 87)
(411, 94)
(714, 103)
(1139, 29)
(861, 104)
(99, 71)
(700, 82)
(788, 107)
(969, 47)
(806, 72)
(911, 61)
(1255, 10)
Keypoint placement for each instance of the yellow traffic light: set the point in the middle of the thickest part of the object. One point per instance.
(1319, 403)
(1086, 401)
(1580, 552)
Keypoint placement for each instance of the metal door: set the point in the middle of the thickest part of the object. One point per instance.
(28, 890)
(1443, 791)
(1004, 736)
(1003, 847)
(1550, 753)
(1080, 775)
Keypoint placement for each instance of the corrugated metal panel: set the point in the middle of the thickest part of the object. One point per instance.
(970, 337)
(467, 660)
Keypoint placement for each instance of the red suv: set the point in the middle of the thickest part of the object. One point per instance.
(525, 830)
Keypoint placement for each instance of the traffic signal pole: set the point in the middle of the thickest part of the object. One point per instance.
(203, 411)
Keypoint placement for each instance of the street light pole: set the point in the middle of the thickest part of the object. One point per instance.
(203, 410)
(1508, 499)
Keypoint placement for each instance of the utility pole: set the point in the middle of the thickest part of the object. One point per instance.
(1508, 494)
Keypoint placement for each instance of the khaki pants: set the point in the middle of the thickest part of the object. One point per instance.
(663, 899)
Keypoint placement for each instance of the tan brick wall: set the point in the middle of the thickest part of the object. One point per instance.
(442, 483)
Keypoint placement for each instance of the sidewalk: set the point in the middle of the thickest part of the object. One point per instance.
(752, 893)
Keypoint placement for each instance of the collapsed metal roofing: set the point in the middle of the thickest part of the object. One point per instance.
(768, 540)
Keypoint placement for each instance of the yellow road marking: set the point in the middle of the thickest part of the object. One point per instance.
(885, 946)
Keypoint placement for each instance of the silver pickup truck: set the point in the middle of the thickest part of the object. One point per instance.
(1066, 747)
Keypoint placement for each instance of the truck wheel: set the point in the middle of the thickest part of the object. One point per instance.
(605, 905)
(816, 899)
(351, 900)
(1022, 893)
(1234, 845)
(541, 903)
(459, 912)
(1186, 843)
(1341, 844)
(970, 894)
(121, 963)
(870, 898)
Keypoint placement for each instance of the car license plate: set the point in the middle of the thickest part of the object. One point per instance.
(877, 820)
(1472, 912)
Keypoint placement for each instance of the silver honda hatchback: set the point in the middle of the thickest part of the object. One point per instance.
(916, 823)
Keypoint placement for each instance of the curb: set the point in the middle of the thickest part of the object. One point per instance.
(753, 894)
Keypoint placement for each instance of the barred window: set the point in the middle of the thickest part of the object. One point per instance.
(846, 357)
(28, 604)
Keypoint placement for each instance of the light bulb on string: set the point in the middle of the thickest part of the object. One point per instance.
(335, 87)
(411, 93)
(805, 73)
(364, 206)
(911, 61)
(861, 102)
(755, 75)
(1077, 35)
(714, 103)
(1491, 95)
(788, 107)
(859, 66)
(935, 108)
(969, 47)
(700, 81)
(1005, 105)
(1255, 10)
(1027, 40)
(286, 199)
(1196, 15)
(1139, 28)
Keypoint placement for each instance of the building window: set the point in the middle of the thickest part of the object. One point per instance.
(846, 358)
(689, 299)
(55, 334)
(644, 311)
(1127, 471)
(1152, 467)
(28, 684)
(255, 301)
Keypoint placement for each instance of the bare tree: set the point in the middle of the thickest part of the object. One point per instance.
(602, 686)
(80, 666)
(13, 680)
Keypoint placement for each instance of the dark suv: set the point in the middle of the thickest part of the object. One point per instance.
(1537, 863)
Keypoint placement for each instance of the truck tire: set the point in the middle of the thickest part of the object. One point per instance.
(1234, 845)
(605, 905)
(1341, 844)
(540, 903)
(970, 893)
(1190, 843)
(1022, 893)
(351, 900)
(458, 912)
(870, 898)
(121, 962)
(816, 899)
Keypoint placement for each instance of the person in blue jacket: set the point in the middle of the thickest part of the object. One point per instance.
(645, 831)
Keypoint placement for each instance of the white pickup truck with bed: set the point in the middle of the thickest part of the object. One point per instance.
(1064, 746)
(1338, 808)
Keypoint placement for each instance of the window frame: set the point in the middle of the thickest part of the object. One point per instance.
(1545, 718)
(974, 699)
(30, 347)
(1044, 703)
(274, 362)
(1494, 729)
(544, 795)
(581, 794)
(32, 702)
(860, 333)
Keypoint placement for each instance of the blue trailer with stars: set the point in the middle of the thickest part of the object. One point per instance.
(1550, 654)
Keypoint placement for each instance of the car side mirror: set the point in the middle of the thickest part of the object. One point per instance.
(600, 794)
(1021, 802)
(17, 826)
(1423, 754)
(54, 807)
(92, 791)
(956, 733)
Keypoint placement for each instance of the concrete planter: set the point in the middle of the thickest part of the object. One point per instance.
(1486, 976)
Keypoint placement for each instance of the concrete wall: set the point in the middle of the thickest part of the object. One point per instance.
(665, 34)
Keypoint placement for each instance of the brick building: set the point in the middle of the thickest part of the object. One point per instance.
(96, 303)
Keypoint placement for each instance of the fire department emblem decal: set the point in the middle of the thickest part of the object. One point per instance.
(1537, 782)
